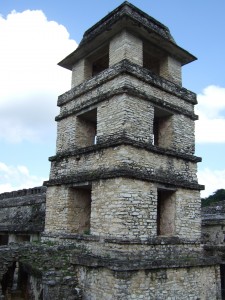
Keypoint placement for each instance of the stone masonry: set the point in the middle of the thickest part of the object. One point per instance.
(22, 215)
(124, 169)
(123, 207)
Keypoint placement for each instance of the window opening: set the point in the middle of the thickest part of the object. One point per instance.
(100, 64)
(4, 238)
(87, 128)
(165, 212)
(162, 131)
(151, 62)
(82, 209)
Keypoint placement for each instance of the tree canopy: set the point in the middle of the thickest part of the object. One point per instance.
(218, 195)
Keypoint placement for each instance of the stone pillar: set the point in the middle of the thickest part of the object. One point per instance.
(183, 134)
(126, 46)
(66, 134)
(170, 69)
(12, 238)
(68, 210)
(57, 209)
(127, 117)
(80, 72)
(129, 209)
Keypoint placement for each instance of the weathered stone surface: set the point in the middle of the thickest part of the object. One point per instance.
(48, 268)
(23, 210)
(160, 284)
(123, 208)
(213, 222)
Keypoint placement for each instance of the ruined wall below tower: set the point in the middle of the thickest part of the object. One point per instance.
(23, 211)
(162, 284)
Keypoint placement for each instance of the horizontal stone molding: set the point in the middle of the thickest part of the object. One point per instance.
(129, 90)
(159, 240)
(125, 171)
(112, 141)
(126, 67)
(144, 264)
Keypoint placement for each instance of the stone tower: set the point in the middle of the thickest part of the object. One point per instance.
(123, 181)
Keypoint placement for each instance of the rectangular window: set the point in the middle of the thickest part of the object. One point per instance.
(162, 128)
(165, 212)
(87, 128)
(80, 214)
(100, 64)
(4, 238)
(151, 62)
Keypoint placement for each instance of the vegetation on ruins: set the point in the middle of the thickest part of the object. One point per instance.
(218, 195)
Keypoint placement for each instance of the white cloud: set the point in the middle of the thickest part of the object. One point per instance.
(212, 179)
(16, 178)
(211, 110)
(31, 47)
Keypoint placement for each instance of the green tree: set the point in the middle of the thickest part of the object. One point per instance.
(218, 195)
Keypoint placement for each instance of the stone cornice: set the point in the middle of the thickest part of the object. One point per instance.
(126, 67)
(123, 140)
(132, 91)
(170, 180)
(146, 263)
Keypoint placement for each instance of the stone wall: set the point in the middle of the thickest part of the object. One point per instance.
(112, 158)
(23, 211)
(182, 138)
(45, 269)
(68, 210)
(71, 271)
(126, 46)
(213, 224)
(129, 209)
(163, 284)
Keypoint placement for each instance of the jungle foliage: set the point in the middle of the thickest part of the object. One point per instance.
(218, 195)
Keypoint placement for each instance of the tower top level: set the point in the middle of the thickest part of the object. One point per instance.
(129, 17)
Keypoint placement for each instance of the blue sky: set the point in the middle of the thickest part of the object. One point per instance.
(35, 35)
